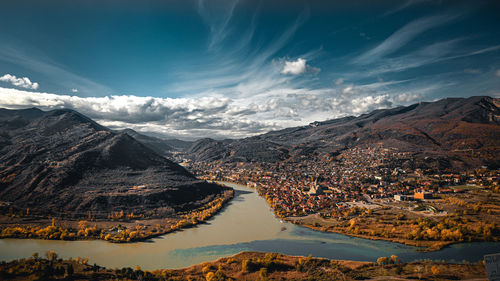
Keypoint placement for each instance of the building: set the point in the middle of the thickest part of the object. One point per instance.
(422, 195)
(400, 197)
(316, 190)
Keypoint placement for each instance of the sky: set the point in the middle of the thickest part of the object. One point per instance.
(230, 69)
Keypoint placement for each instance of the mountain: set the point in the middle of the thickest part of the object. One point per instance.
(449, 133)
(62, 163)
(178, 145)
(157, 145)
(163, 147)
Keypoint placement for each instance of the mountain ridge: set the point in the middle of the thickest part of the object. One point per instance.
(440, 129)
(62, 162)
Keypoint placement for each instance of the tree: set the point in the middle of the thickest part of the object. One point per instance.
(245, 265)
(394, 259)
(51, 255)
(210, 276)
(69, 270)
(435, 270)
(82, 225)
(383, 261)
(263, 273)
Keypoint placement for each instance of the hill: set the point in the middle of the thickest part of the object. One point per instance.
(64, 164)
(246, 266)
(449, 133)
(164, 147)
(157, 145)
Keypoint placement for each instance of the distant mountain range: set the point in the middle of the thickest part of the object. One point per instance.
(160, 146)
(450, 133)
(61, 162)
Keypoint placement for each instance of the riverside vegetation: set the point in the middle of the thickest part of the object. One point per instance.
(243, 266)
(119, 227)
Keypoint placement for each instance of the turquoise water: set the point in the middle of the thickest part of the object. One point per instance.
(246, 224)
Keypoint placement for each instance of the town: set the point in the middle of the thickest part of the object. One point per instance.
(325, 182)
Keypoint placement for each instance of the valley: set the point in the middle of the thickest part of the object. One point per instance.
(121, 186)
(64, 176)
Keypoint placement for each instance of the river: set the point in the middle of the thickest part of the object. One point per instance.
(245, 224)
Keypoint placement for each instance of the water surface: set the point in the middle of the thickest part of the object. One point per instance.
(246, 224)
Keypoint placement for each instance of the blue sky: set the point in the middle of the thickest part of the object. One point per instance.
(192, 69)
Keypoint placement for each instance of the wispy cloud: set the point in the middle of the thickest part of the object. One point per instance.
(217, 16)
(237, 70)
(23, 82)
(402, 37)
(404, 5)
(435, 53)
(43, 65)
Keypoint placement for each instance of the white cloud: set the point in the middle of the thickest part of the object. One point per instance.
(23, 82)
(339, 81)
(294, 67)
(406, 98)
(176, 117)
(497, 73)
(348, 89)
(298, 67)
(369, 103)
(74, 90)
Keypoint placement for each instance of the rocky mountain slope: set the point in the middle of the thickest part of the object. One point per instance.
(449, 133)
(62, 163)
(164, 147)
(157, 145)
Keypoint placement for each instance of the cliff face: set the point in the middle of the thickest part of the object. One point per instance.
(63, 163)
(454, 133)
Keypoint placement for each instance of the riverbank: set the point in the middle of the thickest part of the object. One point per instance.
(317, 223)
(122, 229)
(245, 266)
(470, 217)
(233, 231)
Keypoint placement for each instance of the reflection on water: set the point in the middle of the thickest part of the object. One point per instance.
(245, 224)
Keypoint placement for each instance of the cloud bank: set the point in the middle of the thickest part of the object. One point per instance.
(213, 116)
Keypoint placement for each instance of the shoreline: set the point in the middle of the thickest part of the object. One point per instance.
(417, 244)
(422, 245)
(114, 231)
